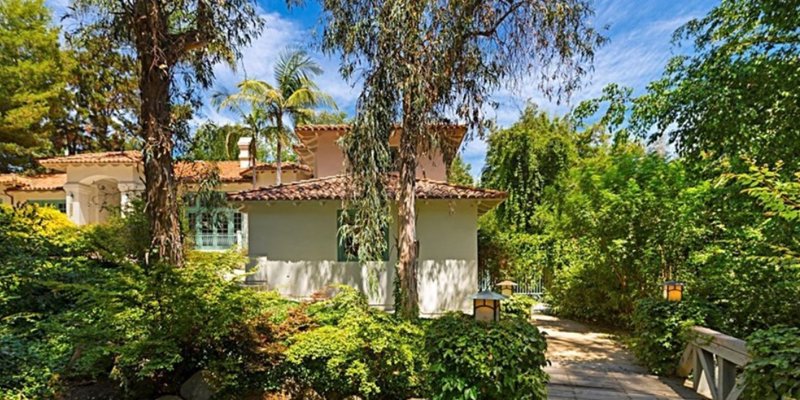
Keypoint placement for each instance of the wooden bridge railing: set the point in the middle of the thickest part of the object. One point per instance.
(716, 361)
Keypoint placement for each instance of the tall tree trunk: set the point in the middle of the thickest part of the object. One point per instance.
(278, 164)
(407, 218)
(278, 149)
(155, 84)
(253, 158)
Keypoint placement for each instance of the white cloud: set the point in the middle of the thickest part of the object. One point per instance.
(640, 35)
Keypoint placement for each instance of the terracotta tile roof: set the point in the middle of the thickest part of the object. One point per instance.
(335, 187)
(7, 179)
(184, 170)
(285, 166)
(191, 171)
(43, 182)
(229, 171)
(106, 157)
(322, 127)
(346, 127)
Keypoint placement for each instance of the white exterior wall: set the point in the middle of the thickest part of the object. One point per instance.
(293, 249)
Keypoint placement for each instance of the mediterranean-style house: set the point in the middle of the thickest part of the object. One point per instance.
(290, 231)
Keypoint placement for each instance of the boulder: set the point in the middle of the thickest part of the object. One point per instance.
(197, 387)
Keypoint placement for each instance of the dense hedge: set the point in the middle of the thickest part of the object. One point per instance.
(357, 351)
(474, 360)
(659, 331)
(774, 372)
(518, 306)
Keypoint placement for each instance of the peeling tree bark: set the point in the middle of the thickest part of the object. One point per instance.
(155, 61)
(407, 215)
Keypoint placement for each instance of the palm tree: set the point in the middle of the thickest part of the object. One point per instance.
(294, 96)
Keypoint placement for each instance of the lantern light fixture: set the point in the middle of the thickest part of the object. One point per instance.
(486, 305)
(673, 291)
(506, 287)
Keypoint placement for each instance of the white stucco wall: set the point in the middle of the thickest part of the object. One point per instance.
(293, 249)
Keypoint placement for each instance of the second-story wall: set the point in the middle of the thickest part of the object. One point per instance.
(329, 160)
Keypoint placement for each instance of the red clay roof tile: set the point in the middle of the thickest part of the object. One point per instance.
(335, 187)
(42, 182)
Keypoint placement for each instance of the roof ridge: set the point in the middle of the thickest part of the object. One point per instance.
(294, 183)
(461, 186)
(334, 187)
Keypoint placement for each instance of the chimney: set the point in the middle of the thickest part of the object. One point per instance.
(244, 151)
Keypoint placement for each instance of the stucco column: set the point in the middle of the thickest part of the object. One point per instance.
(78, 208)
(128, 191)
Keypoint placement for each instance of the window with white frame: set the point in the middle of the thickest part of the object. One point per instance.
(214, 227)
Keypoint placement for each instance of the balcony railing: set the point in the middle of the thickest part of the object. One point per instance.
(218, 241)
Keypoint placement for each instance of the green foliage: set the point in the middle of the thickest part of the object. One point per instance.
(99, 108)
(33, 73)
(660, 330)
(774, 371)
(32, 239)
(458, 174)
(749, 244)
(518, 306)
(619, 228)
(475, 360)
(741, 76)
(522, 257)
(357, 351)
(78, 304)
(327, 118)
(525, 159)
(216, 143)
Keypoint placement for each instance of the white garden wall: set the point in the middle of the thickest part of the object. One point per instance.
(293, 249)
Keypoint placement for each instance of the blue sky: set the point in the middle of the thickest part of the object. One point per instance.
(640, 33)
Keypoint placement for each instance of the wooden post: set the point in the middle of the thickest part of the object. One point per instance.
(709, 369)
(715, 358)
(726, 377)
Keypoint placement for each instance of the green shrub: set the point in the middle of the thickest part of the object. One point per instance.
(774, 371)
(77, 304)
(518, 305)
(659, 330)
(477, 360)
(37, 245)
(357, 351)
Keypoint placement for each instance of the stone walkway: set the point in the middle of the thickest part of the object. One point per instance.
(588, 365)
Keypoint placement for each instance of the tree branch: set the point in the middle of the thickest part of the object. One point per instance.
(493, 28)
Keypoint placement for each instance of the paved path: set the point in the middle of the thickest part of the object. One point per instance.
(588, 365)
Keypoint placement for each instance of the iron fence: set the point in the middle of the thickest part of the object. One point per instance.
(533, 287)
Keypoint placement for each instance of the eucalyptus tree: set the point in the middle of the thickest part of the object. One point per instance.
(171, 39)
(422, 61)
(264, 106)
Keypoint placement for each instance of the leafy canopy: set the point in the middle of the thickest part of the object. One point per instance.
(33, 76)
(525, 159)
(736, 94)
